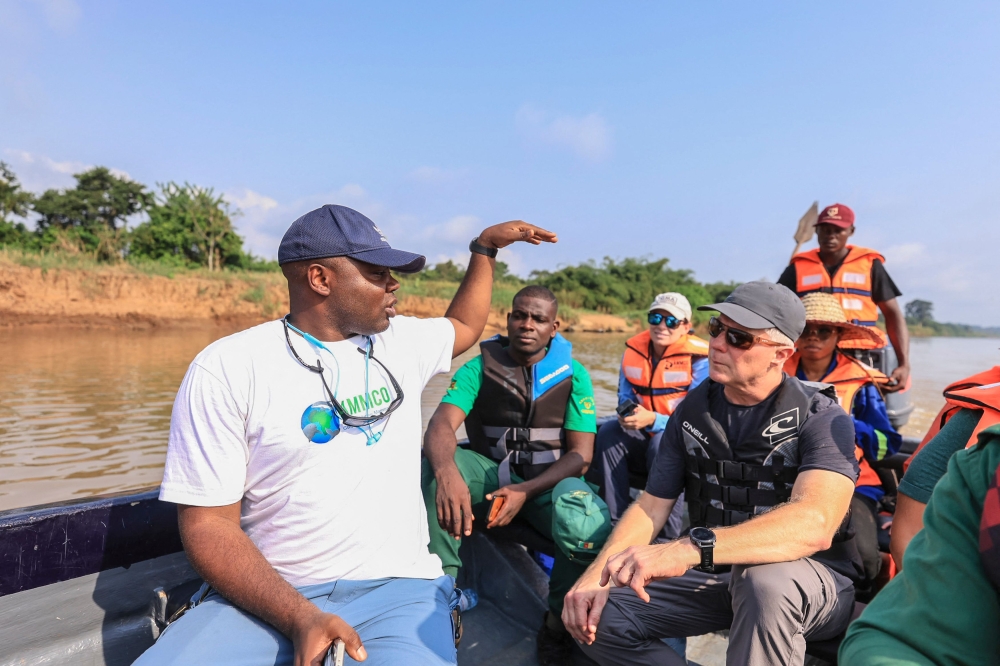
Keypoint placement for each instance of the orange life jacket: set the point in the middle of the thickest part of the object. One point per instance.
(852, 284)
(662, 389)
(848, 377)
(980, 391)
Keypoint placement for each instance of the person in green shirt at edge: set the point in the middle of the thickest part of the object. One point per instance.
(529, 412)
(943, 607)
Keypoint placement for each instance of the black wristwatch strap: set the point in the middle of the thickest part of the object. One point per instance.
(707, 565)
(490, 252)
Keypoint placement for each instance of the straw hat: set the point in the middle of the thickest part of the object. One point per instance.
(825, 309)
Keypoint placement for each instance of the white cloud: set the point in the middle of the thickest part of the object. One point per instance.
(588, 136)
(38, 173)
(907, 253)
(455, 230)
(431, 175)
(248, 200)
(61, 15)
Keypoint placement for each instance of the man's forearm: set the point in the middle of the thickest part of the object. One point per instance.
(788, 533)
(440, 445)
(226, 558)
(636, 527)
(569, 465)
(471, 306)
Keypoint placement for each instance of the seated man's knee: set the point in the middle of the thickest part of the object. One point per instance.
(764, 586)
(581, 522)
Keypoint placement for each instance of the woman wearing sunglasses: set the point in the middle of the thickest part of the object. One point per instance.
(818, 359)
(659, 367)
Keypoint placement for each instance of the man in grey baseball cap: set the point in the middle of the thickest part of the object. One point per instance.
(768, 469)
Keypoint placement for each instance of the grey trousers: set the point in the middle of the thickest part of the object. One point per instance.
(770, 610)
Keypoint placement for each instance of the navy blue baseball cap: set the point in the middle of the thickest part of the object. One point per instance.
(339, 231)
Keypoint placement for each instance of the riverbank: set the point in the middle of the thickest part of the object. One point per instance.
(57, 293)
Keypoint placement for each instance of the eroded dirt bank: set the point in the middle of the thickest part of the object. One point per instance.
(122, 297)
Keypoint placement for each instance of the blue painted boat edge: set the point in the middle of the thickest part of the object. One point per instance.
(50, 543)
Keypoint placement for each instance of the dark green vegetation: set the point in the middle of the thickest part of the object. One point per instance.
(186, 227)
(625, 287)
(920, 321)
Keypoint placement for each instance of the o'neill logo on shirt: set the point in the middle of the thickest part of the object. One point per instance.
(782, 426)
(697, 434)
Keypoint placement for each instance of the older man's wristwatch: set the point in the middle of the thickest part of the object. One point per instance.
(704, 539)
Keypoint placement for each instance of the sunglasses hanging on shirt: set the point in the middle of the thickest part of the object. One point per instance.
(363, 423)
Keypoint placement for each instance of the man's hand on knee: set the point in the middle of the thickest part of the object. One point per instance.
(637, 566)
(454, 502)
(582, 608)
(315, 632)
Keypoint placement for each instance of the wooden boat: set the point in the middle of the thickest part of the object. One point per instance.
(95, 581)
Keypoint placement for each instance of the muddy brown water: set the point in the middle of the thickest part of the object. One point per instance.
(86, 411)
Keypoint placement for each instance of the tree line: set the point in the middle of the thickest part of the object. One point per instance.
(625, 286)
(186, 226)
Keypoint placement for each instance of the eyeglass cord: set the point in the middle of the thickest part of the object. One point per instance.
(373, 437)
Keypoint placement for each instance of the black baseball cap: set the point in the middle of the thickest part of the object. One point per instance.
(764, 305)
(339, 231)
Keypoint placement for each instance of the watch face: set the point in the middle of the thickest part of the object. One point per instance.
(702, 535)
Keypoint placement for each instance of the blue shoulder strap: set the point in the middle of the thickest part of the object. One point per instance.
(554, 368)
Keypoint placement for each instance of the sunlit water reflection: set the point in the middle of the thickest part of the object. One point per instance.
(84, 412)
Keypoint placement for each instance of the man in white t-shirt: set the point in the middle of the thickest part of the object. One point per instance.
(294, 459)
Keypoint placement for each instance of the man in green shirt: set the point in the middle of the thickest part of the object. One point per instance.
(943, 607)
(529, 412)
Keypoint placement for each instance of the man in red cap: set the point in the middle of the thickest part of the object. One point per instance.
(858, 277)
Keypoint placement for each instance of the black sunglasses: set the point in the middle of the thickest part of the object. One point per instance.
(821, 332)
(736, 337)
(346, 417)
(670, 321)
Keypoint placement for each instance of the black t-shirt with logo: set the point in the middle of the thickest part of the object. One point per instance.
(883, 288)
(826, 440)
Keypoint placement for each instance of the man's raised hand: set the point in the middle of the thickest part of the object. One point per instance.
(505, 233)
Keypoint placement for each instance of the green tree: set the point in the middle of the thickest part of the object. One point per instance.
(93, 213)
(190, 224)
(14, 202)
(621, 286)
(920, 312)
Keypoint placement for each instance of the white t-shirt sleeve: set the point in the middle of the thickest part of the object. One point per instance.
(207, 451)
(439, 341)
(428, 343)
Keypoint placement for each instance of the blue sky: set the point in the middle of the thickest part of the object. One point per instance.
(693, 131)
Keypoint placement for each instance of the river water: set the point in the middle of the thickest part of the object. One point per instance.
(86, 411)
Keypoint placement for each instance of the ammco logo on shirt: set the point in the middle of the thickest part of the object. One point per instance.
(320, 421)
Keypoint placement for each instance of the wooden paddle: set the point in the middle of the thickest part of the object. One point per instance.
(807, 227)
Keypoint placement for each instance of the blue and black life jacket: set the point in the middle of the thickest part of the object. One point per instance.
(517, 418)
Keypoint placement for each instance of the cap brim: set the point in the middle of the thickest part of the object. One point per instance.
(397, 260)
(837, 223)
(739, 314)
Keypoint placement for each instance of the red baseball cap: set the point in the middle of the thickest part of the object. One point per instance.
(838, 215)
